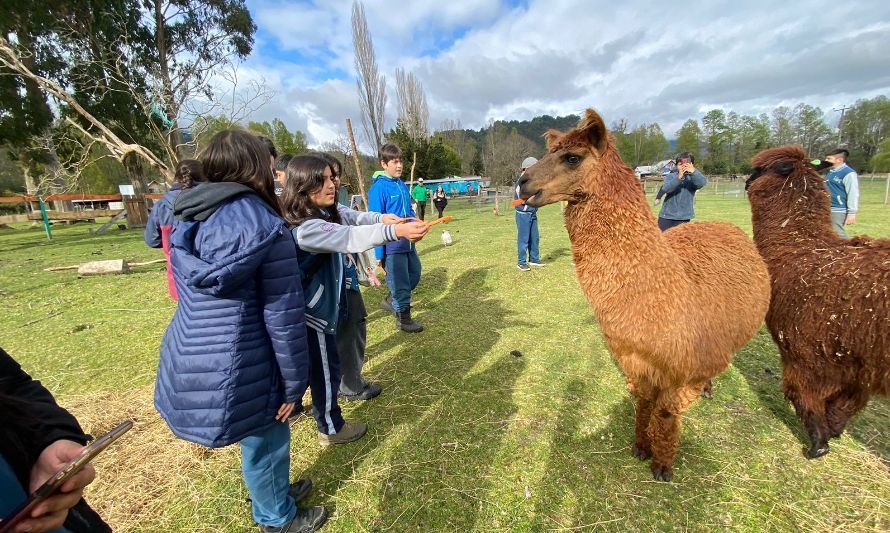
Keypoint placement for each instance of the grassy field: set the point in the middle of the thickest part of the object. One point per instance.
(466, 436)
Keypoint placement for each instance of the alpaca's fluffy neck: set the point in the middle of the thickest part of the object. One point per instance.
(797, 217)
(621, 259)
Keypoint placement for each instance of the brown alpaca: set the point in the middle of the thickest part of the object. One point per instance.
(830, 310)
(673, 307)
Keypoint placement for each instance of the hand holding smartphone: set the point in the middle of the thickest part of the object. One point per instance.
(55, 483)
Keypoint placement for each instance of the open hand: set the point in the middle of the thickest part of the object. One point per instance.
(391, 219)
(413, 231)
(51, 513)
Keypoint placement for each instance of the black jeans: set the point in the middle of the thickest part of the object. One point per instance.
(665, 224)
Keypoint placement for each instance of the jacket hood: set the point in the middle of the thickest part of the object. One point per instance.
(381, 174)
(202, 200)
(230, 271)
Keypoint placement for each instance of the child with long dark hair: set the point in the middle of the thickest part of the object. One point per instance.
(160, 221)
(234, 360)
(323, 235)
(352, 329)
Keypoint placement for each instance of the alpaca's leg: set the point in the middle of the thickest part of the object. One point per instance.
(645, 394)
(843, 405)
(665, 424)
(708, 391)
(808, 396)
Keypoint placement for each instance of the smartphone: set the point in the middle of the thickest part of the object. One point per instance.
(54, 483)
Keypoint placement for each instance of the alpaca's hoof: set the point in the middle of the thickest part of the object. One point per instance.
(706, 392)
(640, 453)
(817, 451)
(662, 473)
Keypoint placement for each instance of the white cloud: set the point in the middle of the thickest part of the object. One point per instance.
(644, 61)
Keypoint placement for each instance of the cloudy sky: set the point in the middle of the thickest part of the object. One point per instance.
(510, 59)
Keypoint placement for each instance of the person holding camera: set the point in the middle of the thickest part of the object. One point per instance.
(37, 439)
(679, 190)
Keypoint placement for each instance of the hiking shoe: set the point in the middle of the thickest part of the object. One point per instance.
(386, 305)
(300, 489)
(405, 323)
(537, 263)
(307, 519)
(349, 432)
(373, 390)
(523, 268)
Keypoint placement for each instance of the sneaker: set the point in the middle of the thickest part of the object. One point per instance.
(386, 305)
(349, 432)
(405, 323)
(373, 390)
(300, 489)
(307, 519)
(523, 268)
(537, 263)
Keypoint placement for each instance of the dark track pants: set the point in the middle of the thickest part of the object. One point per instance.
(324, 381)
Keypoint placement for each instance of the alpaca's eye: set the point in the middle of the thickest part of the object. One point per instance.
(573, 160)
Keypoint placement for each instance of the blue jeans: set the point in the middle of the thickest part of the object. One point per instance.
(265, 465)
(402, 277)
(527, 237)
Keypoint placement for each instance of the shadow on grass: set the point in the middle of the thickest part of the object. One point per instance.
(556, 254)
(432, 284)
(592, 481)
(447, 419)
(40, 239)
(759, 362)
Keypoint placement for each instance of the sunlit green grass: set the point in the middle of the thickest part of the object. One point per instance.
(466, 436)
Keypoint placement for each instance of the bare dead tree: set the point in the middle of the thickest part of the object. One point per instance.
(414, 115)
(371, 84)
(10, 58)
(504, 151)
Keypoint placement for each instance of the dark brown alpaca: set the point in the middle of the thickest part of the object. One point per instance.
(674, 307)
(830, 309)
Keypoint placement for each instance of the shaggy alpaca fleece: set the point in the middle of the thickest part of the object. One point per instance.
(673, 307)
(830, 310)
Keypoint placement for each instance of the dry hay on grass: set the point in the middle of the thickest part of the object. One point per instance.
(149, 469)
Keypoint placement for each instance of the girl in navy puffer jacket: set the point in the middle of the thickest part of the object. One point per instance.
(234, 359)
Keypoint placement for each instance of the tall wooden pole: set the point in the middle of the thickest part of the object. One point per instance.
(413, 162)
(358, 167)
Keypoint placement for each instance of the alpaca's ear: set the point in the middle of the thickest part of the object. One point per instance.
(756, 173)
(594, 129)
(552, 136)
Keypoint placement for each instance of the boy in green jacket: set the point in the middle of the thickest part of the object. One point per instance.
(419, 194)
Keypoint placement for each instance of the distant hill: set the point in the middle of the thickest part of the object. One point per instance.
(532, 130)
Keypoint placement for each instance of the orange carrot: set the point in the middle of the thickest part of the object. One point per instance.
(440, 221)
(517, 202)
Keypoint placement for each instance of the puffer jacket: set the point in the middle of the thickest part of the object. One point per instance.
(236, 347)
(158, 229)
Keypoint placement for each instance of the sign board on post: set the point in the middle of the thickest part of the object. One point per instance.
(127, 190)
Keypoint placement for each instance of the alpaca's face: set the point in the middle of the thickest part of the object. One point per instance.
(572, 158)
(781, 183)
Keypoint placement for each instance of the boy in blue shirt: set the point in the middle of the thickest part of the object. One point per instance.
(842, 183)
(390, 195)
